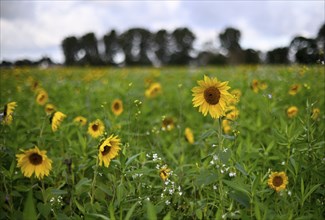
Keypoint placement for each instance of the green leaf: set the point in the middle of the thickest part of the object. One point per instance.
(111, 211)
(238, 186)
(167, 217)
(130, 159)
(29, 212)
(241, 169)
(130, 212)
(58, 192)
(120, 193)
(44, 209)
(83, 185)
(151, 211)
(310, 192)
(206, 177)
(98, 216)
(79, 206)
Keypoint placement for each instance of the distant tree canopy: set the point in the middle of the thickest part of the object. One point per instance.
(139, 46)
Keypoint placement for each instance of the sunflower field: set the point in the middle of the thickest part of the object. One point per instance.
(242, 142)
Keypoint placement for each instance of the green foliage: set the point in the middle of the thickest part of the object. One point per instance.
(220, 176)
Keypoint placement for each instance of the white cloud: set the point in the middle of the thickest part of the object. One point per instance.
(29, 28)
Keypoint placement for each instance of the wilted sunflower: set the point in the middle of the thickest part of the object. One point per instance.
(41, 97)
(7, 113)
(153, 90)
(294, 89)
(49, 108)
(117, 107)
(278, 181)
(315, 113)
(292, 111)
(108, 150)
(96, 128)
(211, 96)
(80, 120)
(168, 124)
(164, 172)
(56, 120)
(34, 161)
(189, 135)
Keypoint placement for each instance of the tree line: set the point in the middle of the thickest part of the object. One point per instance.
(139, 46)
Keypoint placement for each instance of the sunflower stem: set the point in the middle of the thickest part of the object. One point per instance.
(94, 183)
(41, 132)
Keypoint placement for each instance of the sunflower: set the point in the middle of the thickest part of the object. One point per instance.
(168, 124)
(96, 128)
(117, 107)
(108, 150)
(7, 113)
(232, 112)
(262, 85)
(278, 181)
(41, 97)
(80, 120)
(211, 96)
(189, 135)
(294, 89)
(34, 161)
(56, 120)
(153, 90)
(315, 113)
(164, 172)
(236, 96)
(226, 126)
(49, 108)
(255, 85)
(292, 111)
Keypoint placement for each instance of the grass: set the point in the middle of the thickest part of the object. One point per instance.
(220, 176)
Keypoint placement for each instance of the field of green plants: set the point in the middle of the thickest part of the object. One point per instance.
(151, 154)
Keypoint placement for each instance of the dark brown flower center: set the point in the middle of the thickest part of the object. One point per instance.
(35, 159)
(42, 97)
(212, 95)
(168, 121)
(116, 106)
(106, 150)
(277, 181)
(95, 127)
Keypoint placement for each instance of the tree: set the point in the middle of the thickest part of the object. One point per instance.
(304, 50)
(136, 44)
(70, 46)
(321, 41)
(161, 46)
(278, 56)
(251, 56)
(181, 45)
(112, 47)
(229, 40)
(88, 44)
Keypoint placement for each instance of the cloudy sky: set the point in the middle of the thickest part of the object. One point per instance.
(32, 29)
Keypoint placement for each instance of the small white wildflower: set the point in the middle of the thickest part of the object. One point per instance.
(52, 200)
(100, 174)
(171, 191)
(154, 157)
(283, 163)
(167, 202)
(224, 216)
(232, 174)
(161, 195)
(269, 96)
(289, 193)
(225, 150)
(214, 145)
(157, 166)
(148, 199)
(211, 162)
(222, 171)
(215, 187)
(180, 193)
(215, 157)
